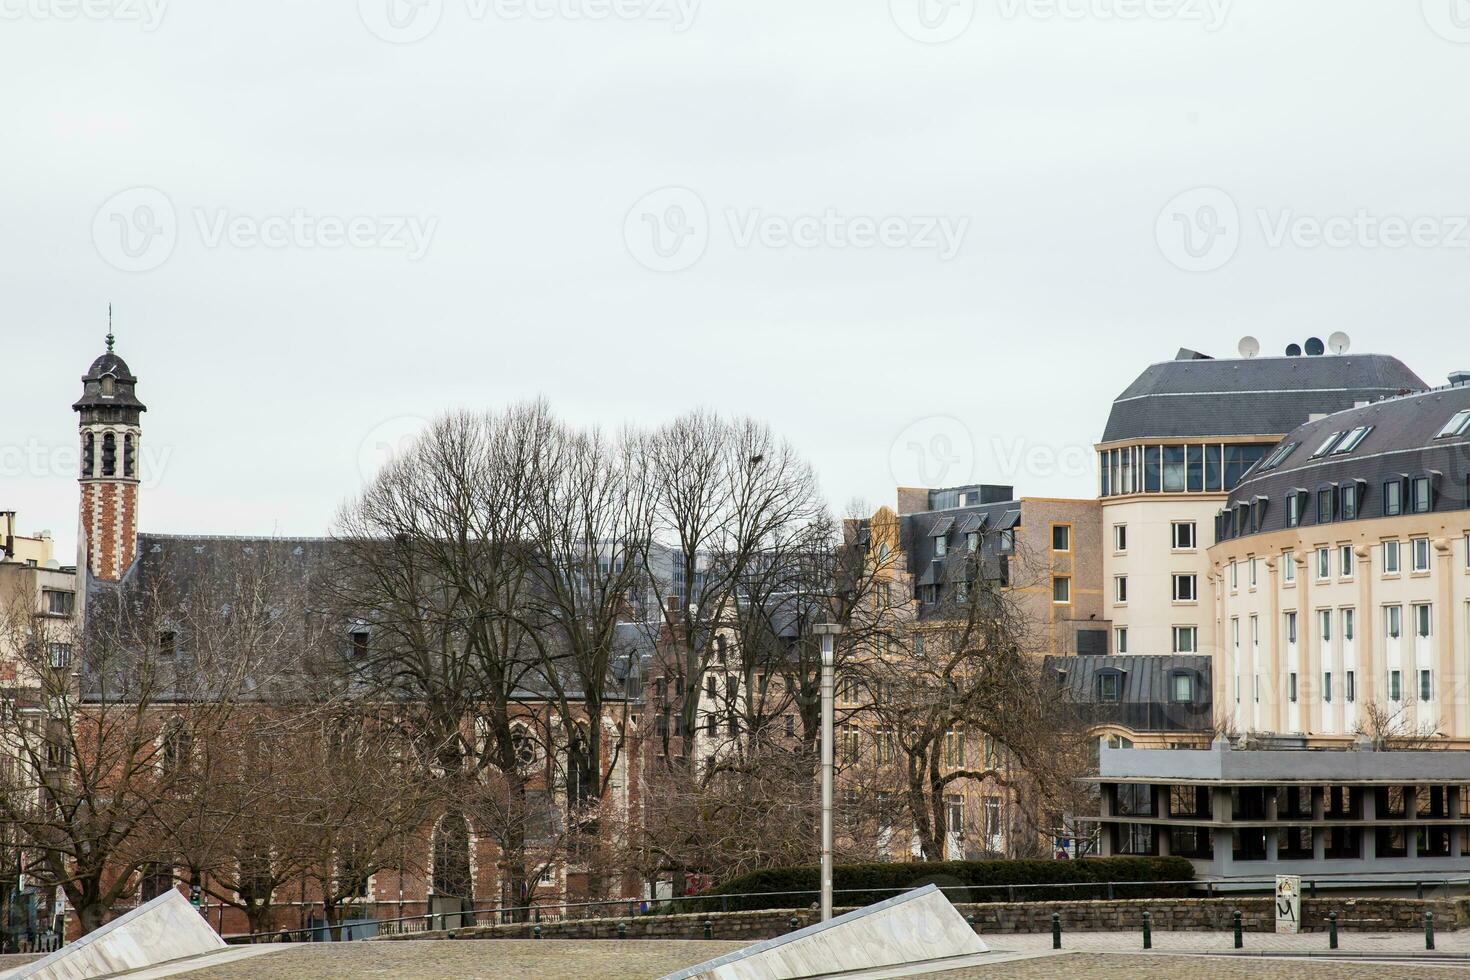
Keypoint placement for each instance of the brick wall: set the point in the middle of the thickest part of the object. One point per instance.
(1167, 915)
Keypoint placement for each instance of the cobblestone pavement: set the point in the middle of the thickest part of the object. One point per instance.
(474, 959)
(1095, 966)
(1211, 942)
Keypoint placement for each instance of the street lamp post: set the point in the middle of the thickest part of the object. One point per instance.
(828, 632)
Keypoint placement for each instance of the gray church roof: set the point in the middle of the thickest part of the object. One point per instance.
(1262, 396)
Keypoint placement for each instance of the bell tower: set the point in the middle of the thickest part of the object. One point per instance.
(108, 417)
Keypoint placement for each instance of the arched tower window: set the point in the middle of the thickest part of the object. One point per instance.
(109, 385)
(129, 456)
(452, 858)
(109, 454)
(89, 455)
(579, 770)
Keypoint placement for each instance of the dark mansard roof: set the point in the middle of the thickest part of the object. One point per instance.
(1261, 396)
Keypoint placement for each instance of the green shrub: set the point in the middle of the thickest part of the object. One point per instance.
(962, 881)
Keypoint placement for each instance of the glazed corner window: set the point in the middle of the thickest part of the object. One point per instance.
(1185, 535)
(1061, 589)
(1109, 687)
(1393, 498)
(59, 603)
(1421, 554)
(1120, 537)
(1186, 588)
(1061, 537)
(1390, 557)
(1186, 639)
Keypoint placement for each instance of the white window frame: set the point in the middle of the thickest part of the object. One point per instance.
(1396, 565)
(1189, 531)
(1419, 547)
(1192, 632)
(1185, 578)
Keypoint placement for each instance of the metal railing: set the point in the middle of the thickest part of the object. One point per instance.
(707, 903)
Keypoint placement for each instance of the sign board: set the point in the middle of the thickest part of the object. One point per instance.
(1288, 903)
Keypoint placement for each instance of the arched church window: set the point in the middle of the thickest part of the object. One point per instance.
(89, 455)
(579, 770)
(523, 746)
(129, 462)
(452, 858)
(109, 454)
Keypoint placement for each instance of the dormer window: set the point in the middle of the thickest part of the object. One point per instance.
(108, 386)
(1327, 445)
(1456, 426)
(1110, 686)
(1181, 688)
(1351, 440)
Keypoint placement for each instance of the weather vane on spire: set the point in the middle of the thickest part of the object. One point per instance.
(109, 328)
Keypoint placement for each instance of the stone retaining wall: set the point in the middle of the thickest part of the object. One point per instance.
(1167, 915)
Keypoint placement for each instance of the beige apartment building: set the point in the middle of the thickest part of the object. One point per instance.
(37, 600)
(1341, 583)
(1177, 442)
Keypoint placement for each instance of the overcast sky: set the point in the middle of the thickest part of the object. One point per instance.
(922, 242)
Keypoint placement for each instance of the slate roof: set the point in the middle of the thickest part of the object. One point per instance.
(1261, 396)
(1403, 443)
(214, 565)
(123, 396)
(1145, 697)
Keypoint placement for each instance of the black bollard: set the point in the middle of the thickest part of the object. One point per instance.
(1428, 930)
(709, 929)
(1239, 941)
(795, 923)
(1331, 930)
(1056, 930)
(536, 931)
(622, 930)
(1148, 936)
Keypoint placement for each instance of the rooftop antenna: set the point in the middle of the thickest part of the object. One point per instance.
(1249, 347)
(1339, 342)
(109, 328)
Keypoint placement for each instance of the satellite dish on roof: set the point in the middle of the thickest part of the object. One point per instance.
(1249, 347)
(1315, 347)
(1339, 342)
(1293, 350)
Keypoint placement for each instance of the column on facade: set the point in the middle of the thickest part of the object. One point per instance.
(1272, 713)
(1369, 651)
(1449, 683)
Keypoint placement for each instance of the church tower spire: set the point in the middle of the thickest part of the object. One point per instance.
(108, 419)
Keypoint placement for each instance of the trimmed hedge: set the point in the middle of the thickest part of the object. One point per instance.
(962, 881)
